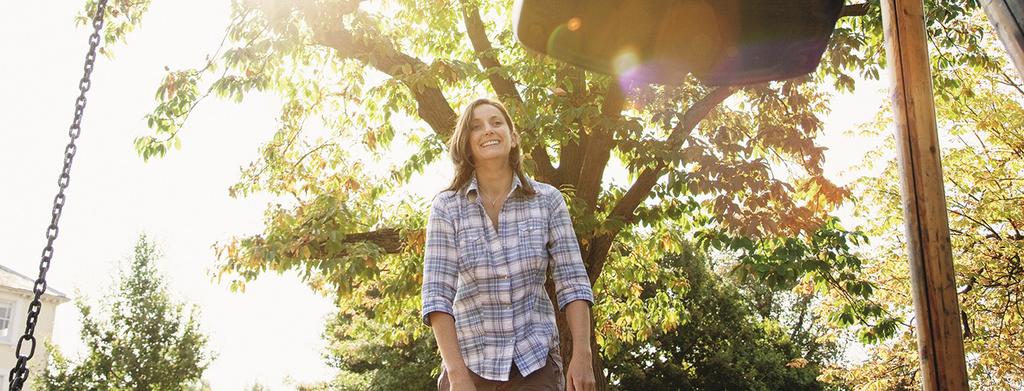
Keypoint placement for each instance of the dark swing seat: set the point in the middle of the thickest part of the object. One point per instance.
(723, 42)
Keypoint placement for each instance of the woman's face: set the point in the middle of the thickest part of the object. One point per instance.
(490, 136)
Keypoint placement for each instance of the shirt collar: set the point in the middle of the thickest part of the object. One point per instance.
(473, 187)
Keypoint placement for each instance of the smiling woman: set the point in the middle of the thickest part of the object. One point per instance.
(491, 238)
(480, 115)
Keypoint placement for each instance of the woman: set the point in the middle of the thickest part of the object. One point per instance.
(491, 238)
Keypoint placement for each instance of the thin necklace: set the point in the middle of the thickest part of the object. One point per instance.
(494, 204)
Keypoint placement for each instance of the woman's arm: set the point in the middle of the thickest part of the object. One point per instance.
(444, 331)
(580, 375)
(440, 276)
(577, 314)
(573, 294)
(570, 276)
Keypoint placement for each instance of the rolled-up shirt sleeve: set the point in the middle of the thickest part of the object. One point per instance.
(571, 281)
(440, 263)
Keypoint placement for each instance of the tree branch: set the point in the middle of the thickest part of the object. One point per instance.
(475, 29)
(569, 158)
(503, 85)
(380, 53)
(626, 206)
(387, 239)
(860, 9)
(574, 77)
(598, 146)
(645, 182)
(572, 152)
(545, 170)
(637, 192)
(696, 113)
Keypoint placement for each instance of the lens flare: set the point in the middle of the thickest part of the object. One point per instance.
(625, 61)
(574, 24)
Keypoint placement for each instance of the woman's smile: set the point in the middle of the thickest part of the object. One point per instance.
(489, 135)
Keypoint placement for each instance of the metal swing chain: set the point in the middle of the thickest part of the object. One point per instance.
(19, 373)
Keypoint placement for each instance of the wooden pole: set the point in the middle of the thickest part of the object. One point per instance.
(1007, 18)
(939, 336)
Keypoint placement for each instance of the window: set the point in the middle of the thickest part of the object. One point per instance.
(6, 319)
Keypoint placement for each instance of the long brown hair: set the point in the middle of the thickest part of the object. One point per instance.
(462, 157)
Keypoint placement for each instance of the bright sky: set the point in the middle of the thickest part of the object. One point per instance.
(270, 334)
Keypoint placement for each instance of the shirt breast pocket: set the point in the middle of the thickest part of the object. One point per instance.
(533, 245)
(473, 253)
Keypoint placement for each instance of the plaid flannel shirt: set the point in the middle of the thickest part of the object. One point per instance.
(492, 283)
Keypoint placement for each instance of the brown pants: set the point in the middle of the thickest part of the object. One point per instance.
(548, 378)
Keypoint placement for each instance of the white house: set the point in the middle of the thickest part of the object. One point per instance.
(15, 296)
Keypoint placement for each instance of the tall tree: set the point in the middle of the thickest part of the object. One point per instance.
(723, 346)
(142, 341)
(362, 82)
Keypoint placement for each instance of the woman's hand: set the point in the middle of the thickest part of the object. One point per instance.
(459, 378)
(461, 383)
(580, 376)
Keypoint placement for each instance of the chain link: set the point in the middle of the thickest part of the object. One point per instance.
(19, 374)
